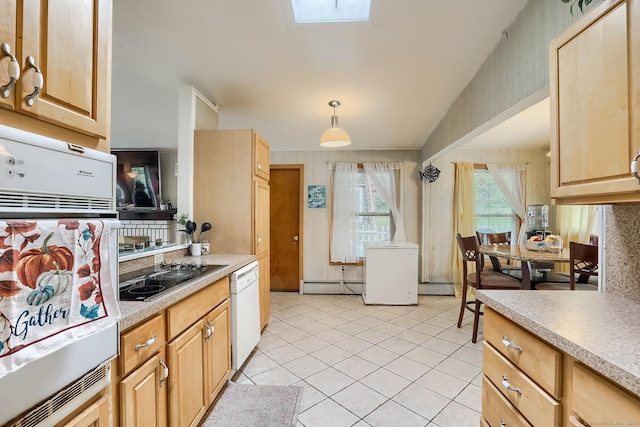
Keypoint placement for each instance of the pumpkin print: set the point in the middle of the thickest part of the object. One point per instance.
(35, 261)
(40, 295)
(57, 279)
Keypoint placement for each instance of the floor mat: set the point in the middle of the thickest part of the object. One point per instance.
(255, 405)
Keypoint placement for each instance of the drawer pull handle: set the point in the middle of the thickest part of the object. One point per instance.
(509, 386)
(38, 82)
(575, 421)
(165, 371)
(507, 343)
(210, 329)
(147, 344)
(503, 423)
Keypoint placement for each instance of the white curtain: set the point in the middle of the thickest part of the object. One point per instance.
(464, 219)
(383, 178)
(345, 220)
(509, 178)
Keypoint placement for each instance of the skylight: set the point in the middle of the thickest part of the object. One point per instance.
(306, 11)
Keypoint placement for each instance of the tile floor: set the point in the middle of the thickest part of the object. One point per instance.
(371, 365)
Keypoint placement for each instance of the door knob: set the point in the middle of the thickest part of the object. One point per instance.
(295, 238)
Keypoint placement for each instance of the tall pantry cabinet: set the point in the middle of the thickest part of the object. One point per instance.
(231, 191)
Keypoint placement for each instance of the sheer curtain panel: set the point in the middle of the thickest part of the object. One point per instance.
(509, 178)
(345, 220)
(464, 222)
(383, 177)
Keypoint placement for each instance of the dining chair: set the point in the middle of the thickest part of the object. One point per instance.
(502, 239)
(583, 270)
(479, 280)
(593, 239)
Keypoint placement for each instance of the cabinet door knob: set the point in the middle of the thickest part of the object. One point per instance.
(13, 71)
(575, 421)
(259, 166)
(150, 341)
(38, 82)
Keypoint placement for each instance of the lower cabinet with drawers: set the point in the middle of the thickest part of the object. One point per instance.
(528, 382)
(174, 364)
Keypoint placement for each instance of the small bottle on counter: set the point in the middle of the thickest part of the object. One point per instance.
(205, 247)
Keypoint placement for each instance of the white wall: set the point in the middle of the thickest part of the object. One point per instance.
(316, 221)
(439, 240)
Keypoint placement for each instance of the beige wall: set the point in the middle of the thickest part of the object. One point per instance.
(438, 239)
(317, 221)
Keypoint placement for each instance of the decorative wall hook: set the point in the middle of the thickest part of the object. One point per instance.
(430, 174)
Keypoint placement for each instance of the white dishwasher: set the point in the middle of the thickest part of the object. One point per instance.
(245, 313)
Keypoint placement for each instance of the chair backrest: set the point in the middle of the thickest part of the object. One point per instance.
(593, 239)
(584, 262)
(469, 247)
(503, 238)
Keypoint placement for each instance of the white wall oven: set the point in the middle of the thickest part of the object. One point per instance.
(58, 272)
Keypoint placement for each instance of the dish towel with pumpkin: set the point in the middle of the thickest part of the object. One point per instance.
(56, 286)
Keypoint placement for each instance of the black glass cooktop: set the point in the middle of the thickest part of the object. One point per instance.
(149, 283)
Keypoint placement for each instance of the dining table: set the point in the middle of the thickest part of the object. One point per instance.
(526, 256)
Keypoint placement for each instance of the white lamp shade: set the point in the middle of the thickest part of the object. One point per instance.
(335, 137)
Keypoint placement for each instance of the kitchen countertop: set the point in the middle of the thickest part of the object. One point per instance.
(598, 329)
(133, 312)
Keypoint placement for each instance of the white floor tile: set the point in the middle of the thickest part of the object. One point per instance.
(277, 326)
(378, 355)
(407, 368)
(305, 366)
(425, 356)
(456, 415)
(310, 344)
(441, 346)
(459, 369)
(442, 383)
(404, 321)
(285, 354)
(441, 321)
(397, 345)
(330, 381)
(422, 401)
(428, 329)
(292, 335)
(453, 336)
(310, 396)
(469, 355)
(270, 342)
(393, 414)
(257, 364)
(351, 328)
(275, 376)
(369, 321)
(327, 413)
(331, 355)
(385, 382)
(359, 399)
(412, 336)
(353, 345)
(471, 397)
(315, 327)
(332, 336)
(355, 367)
(373, 336)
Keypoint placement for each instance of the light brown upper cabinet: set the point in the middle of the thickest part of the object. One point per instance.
(231, 190)
(595, 106)
(64, 61)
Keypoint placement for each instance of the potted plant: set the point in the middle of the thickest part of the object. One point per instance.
(164, 202)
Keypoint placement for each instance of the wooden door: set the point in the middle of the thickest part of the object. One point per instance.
(187, 400)
(285, 232)
(8, 18)
(218, 350)
(73, 59)
(143, 395)
(261, 217)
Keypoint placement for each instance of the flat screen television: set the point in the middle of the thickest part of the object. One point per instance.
(137, 179)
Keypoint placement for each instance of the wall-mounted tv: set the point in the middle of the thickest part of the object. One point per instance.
(137, 179)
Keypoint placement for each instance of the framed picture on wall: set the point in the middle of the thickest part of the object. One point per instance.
(317, 196)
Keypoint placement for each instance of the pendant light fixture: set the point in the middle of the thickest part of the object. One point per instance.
(334, 136)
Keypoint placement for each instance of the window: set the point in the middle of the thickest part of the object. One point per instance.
(360, 213)
(373, 214)
(493, 213)
(306, 11)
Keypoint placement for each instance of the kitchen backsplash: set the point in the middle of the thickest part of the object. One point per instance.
(136, 264)
(154, 229)
(622, 246)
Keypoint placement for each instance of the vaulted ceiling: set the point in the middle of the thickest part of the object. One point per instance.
(395, 76)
